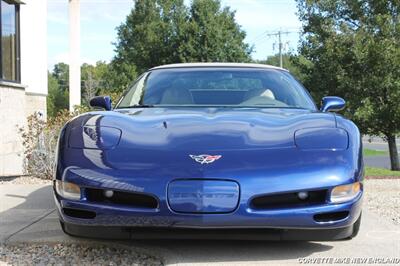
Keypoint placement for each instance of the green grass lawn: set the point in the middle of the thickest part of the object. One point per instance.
(369, 152)
(373, 171)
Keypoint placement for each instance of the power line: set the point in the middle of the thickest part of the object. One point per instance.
(279, 34)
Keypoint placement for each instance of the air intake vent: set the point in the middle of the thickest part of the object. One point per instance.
(289, 200)
(82, 214)
(136, 200)
(331, 216)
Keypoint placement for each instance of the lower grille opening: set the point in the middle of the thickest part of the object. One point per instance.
(288, 200)
(331, 216)
(79, 213)
(137, 200)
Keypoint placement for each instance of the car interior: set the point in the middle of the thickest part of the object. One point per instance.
(223, 89)
(241, 88)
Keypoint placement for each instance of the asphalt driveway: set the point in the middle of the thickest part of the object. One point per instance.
(376, 143)
(27, 215)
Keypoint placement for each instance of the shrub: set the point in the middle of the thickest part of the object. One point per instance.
(39, 138)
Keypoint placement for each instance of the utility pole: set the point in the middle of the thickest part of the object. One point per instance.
(280, 43)
(74, 48)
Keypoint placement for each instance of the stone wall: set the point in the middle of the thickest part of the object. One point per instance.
(35, 103)
(15, 106)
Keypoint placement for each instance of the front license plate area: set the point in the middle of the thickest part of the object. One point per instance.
(203, 196)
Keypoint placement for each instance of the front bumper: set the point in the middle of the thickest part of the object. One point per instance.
(278, 223)
(126, 233)
(242, 217)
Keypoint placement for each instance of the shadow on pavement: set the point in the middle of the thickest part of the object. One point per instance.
(204, 251)
(37, 203)
(21, 206)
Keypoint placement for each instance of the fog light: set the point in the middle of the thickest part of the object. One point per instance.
(346, 192)
(68, 190)
(108, 193)
(302, 195)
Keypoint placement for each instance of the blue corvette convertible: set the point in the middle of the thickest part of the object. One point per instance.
(211, 150)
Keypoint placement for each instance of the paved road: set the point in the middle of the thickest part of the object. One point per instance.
(375, 143)
(27, 214)
(377, 161)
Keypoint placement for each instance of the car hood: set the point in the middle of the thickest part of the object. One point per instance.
(158, 144)
(208, 129)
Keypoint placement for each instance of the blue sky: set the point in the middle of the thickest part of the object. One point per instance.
(99, 18)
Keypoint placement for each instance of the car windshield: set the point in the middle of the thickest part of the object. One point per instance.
(217, 87)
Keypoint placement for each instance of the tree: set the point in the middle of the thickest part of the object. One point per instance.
(57, 98)
(98, 79)
(290, 62)
(353, 51)
(94, 80)
(120, 74)
(90, 84)
(150, 35)
(61, 74)
(158, 32)
(212, 35)
(58, 89)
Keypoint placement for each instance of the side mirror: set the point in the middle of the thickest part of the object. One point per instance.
(102, 102)
(332, 103)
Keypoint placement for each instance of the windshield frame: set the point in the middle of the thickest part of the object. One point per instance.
(148, 73)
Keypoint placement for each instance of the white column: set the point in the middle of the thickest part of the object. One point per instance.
(74, 56)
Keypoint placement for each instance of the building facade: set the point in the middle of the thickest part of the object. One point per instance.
(23, 75)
